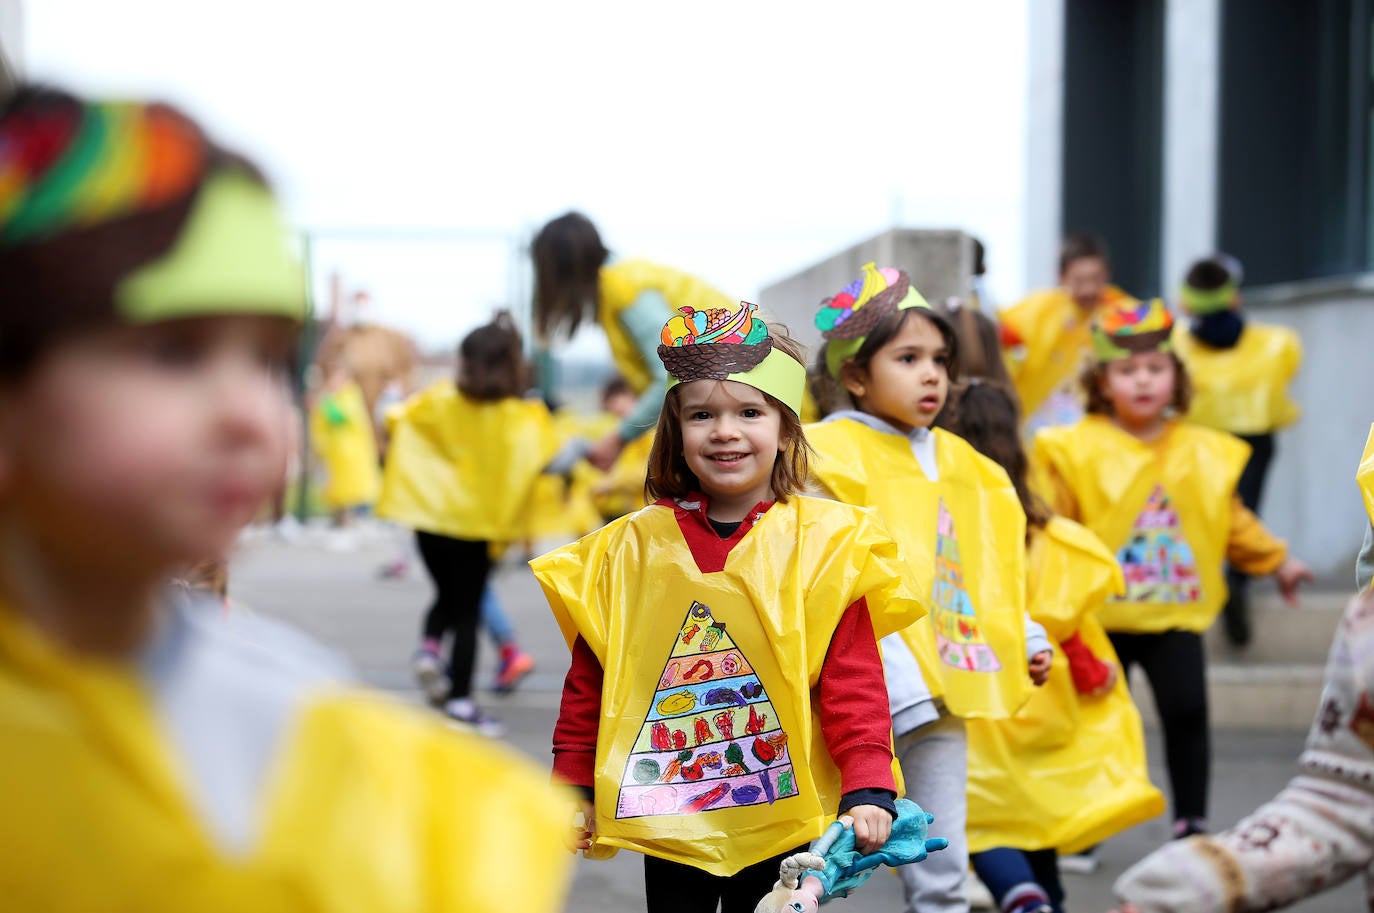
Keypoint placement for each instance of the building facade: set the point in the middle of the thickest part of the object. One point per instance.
(1175, 128)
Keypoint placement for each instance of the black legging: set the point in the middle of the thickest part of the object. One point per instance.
(459, 569)
(1176, 668)
(673, 887)
(1250, 488)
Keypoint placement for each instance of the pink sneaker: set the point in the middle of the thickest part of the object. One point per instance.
(515, 665)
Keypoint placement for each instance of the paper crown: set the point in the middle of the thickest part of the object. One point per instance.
(1208, 301)
(730, 344)
(68, 165)
(1125, 329)
(846, 319)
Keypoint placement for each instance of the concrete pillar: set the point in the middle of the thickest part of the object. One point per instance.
(1192, 83)
(939, 262)
(1044, 190)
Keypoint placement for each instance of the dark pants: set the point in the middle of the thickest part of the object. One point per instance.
(1250, 488)
(1174, 664)
(1004, 868)
(459, 569)
(672, 887)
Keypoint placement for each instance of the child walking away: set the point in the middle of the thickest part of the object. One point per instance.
(725, 698)
(1068, 770)
(1317, 832)
(959, 523)
(1240, 372)
(460, 471)
(157, 753)
(1161, 493)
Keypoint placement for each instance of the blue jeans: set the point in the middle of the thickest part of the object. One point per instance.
(494, 618)
(1005, 869)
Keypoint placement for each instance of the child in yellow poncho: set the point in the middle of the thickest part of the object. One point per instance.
(157, 754)
(1068, 770)
(1161, 492)
(725, 698)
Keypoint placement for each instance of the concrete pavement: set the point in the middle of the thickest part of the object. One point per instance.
(338, 597)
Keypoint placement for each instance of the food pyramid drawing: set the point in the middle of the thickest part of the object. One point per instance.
(1157, 560)
(712, 738)
(957, 634)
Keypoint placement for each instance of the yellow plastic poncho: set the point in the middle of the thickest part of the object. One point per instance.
(621, 283)
(565, 506)
(466, 469)
(1051, 337)
(342, 437)
(1364, 476)
(1068, 770)
(709, 751)
(1243, 390)
(621, 490)
(964, 540)
(369, 807)
(1167, 509)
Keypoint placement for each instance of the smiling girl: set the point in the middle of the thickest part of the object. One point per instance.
(1161, 493)
(725, 698)
(958, 520)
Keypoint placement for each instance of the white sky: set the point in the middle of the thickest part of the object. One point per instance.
(738, 140)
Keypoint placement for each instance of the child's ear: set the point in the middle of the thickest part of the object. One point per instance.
(854, 379)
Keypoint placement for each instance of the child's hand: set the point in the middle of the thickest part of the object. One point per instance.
(583, 827)
(872, 826)
(1113, 672)
(1291, 573)
(1039, 667)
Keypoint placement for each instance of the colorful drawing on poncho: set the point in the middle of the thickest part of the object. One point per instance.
(958, 635)
(712, 738)
(1157, 560)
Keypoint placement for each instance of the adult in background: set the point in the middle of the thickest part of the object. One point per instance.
(575, 280)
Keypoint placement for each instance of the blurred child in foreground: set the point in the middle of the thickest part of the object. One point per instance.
(156, 754)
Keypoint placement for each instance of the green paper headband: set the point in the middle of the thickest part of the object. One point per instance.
(231, 258)
(779, 375)
(1208, 301)
(838, 351)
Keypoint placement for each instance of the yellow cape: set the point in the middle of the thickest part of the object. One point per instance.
(710, 752)
(1067, 771)
(368, 807)
(621, 283)
(465, 469)
(964, 540)
(565, 506)
(1164, 508)
(347, 448)
(1365, 475)
(1243, 390)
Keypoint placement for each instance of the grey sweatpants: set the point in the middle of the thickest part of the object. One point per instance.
(934, 760)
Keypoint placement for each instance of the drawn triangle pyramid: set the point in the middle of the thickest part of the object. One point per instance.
(1157, 560)
(958, 634)
(711, 739)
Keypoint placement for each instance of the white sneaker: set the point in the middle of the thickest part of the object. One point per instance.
(979, 897)
(1084, 863)
(465, 714)
(432, 676)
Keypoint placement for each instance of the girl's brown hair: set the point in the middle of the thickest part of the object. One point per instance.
(669, 475)
(991, 422)
(491, 363)
(568, 256)
(1095, 372)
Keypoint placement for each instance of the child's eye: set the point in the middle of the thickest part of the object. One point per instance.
(751, 413)
(175, 350)
(942, 360)
(907, 359)
(700, 416)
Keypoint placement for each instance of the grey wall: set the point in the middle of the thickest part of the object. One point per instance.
(939, 262)
(11, 42)
(1311, 498)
